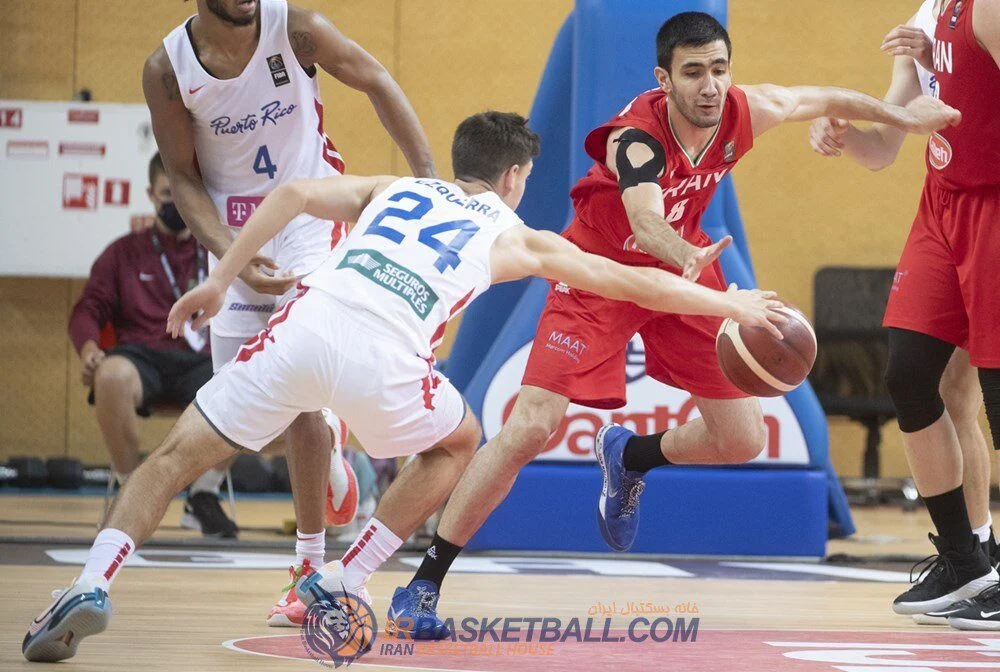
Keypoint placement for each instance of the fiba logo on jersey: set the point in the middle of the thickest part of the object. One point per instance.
(729, 152)
(276, 64)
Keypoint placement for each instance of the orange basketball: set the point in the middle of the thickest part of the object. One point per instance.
(761, 365)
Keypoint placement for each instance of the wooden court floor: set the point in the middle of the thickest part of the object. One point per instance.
(182, 618)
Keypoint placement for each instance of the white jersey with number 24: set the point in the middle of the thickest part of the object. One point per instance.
(418, 255)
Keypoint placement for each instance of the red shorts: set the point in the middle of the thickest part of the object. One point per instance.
(579, 349)
(946, 280)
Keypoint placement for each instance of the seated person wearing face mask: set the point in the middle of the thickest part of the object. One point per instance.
(132, 286)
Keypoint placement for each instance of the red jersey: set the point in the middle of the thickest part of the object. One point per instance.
(968, 155)
(129, 288)
(601, 224)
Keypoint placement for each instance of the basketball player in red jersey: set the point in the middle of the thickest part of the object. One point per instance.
(656, 166)
(876, 148)
(236, 111)
(945, 296)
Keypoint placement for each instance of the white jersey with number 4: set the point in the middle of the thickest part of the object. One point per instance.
(926, 21)
(419, 254)
(253, 132)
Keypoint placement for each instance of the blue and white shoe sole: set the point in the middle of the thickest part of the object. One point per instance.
(83, 618)
(605, 485)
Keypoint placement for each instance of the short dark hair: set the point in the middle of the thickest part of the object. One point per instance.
(155, 168)
(488, 143)
(688, 29)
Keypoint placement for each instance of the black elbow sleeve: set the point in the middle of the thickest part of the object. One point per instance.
(630, 175)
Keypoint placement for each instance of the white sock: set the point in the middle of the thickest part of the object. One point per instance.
(984, 532)
(111, 549)
(210, 481)
(372, 547)
(310, 547)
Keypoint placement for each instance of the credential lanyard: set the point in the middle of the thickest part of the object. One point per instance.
(202, 265)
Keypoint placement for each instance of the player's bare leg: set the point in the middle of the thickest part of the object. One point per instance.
(117, 393)
(729, 431)
(963, 398)
(189, 449)
(916, 366)
(491, 474)
(307, 449)
(425, 483)
(419, 490)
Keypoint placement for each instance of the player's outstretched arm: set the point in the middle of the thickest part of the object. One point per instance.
(771, 105)
(317, 41)
(986, 26)
(520, 252)
(175, 139)
(877, 147)
(638, 161)
(341, 198)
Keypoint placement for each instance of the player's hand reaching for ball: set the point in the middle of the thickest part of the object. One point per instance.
(259, 280)
(910, 41)
(757, 308)
(701, 258)
(198, 305)
(926, 115)
(826, 135)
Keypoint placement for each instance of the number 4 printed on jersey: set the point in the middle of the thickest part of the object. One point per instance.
(262, 163)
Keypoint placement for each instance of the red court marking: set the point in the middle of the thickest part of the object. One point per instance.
(714, 651)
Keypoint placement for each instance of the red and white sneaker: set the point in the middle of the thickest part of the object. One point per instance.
(328, 579)
(289, 612)
(342, 489)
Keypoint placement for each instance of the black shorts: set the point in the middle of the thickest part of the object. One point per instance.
(168, 376)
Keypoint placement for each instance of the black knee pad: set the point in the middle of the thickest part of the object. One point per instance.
(989, 379)
(913, 377)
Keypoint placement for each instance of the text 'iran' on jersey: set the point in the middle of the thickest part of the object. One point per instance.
(688, 183)
(418, 255)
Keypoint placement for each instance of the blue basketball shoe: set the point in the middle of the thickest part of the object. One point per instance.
(413, 613)
(81, 610)
(618, 505)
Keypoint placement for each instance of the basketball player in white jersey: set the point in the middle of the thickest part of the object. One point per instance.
(359, 339)
(236, 110)
(875, 148)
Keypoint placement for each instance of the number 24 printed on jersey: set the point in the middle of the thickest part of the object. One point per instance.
(448, 254)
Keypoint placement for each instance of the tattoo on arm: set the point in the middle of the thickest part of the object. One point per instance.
(170, 85)
(303, 45)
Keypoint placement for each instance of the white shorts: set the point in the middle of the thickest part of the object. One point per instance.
(224, 348)
(316, 354)
(297, 250)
